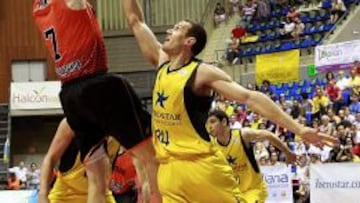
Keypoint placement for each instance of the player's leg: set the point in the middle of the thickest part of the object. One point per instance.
(98, 171)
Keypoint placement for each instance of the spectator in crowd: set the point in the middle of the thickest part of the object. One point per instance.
(326, 126)
(288, 29)
(348, 116)
(234, 123)
(335, 95)
(299, 29)
(319, 104)
(329, 76)
(241, 113)
(274, 159)
(265, 88)
(342, 81)
(337, 10)
(13, 182)
(296, 109)
(293, 14)
(33, 177)
(354, 82)
(234, 7)
(260, 151)
(262, 9)
(355, 104)
(219, 14)
(20, 172)
(232, 52)
(248, 11)
(239, 31)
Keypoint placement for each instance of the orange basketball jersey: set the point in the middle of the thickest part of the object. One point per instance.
(73, 38)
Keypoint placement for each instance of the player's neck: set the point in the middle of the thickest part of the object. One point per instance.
(179, 60)
(225, 137)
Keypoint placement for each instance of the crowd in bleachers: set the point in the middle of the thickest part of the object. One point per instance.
(268, 26)
(330, 104)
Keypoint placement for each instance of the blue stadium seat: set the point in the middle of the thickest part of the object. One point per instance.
(285, 46)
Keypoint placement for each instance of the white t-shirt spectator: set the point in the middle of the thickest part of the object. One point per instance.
(19, 172)
(342, 83)
(325, 153)
(289, 27)
(236, 125)
(34, 179)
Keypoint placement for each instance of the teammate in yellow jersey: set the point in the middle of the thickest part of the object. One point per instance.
(191, 169)
(235, 144)
(71, 185)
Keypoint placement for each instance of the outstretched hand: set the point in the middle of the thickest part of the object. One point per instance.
(317, 138)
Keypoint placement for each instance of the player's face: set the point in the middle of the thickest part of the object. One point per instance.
(176, 38)
(214, 126)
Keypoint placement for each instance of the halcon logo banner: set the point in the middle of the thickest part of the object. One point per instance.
(337, 56)
(35, 95)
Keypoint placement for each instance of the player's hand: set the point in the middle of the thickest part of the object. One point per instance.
(315, 137)
(290, 158)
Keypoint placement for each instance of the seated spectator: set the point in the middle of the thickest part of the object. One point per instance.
(337, 10)
(233, 123)
(33, 177)
(241, 114)
(232, 52)
(354, 106)
(13, 182)
(248, 11)
(274, 159)
(319, 104)
(265, 88)
(296, 109)
(299, 29)
(293, 15)
(262, 9)
(326, 126)
(288, 29)
(335, 95)
(354, 82)
(234, 7)
(239, 31)
(20, 172)
(219, 14)
(342, 81)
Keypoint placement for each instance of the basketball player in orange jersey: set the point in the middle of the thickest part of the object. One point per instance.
(181, 99)
(95, 103)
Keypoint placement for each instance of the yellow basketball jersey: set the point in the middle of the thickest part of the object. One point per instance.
(179, 116)
(74, 184)
(242, 161)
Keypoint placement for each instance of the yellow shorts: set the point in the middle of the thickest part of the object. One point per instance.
(204, 180)
(62, 193)
(256, 195)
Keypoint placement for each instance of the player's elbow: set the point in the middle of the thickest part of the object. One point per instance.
(133, 20)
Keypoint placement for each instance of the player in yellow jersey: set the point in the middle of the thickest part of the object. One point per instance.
(71, 185)
(236, 146)
(191, 169)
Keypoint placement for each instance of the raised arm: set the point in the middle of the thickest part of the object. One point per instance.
(261, 135)
(60, 142)
(149, 45)
(211, 77)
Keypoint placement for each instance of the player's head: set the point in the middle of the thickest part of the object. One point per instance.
(185, 35)
(217, 121)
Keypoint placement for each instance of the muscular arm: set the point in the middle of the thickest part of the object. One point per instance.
(60, 142)
(149, 45)
(212, 77)
(261, 135)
